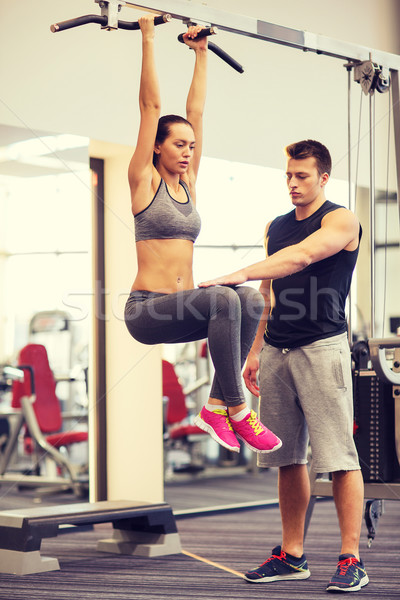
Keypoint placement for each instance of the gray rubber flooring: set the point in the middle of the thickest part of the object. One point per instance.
(217, 549)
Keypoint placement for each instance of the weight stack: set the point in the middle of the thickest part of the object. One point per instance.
(374, 427)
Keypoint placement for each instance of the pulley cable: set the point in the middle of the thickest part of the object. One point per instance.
(358, 150)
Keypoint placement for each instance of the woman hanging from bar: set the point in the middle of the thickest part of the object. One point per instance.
(164, 306)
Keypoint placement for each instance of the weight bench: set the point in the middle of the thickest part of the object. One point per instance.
(140, 529)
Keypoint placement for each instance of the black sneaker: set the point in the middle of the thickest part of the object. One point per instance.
(278, 567)
(350, 575)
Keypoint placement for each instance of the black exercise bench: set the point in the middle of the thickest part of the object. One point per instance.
(140, 529)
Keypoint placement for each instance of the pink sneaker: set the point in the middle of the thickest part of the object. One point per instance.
(218, 425)
(255, 435)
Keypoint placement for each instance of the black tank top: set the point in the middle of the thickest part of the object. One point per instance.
(309, 305)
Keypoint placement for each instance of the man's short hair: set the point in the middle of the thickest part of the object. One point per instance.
(311, 148)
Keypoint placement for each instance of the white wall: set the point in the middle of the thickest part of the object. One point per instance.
(3, 319)
(133, 371)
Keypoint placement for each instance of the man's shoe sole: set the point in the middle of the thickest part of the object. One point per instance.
(333, 588)
(288, 577)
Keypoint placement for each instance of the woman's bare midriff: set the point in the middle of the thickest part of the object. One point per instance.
(164, 266)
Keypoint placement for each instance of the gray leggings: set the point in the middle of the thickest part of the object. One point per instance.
(227, 316)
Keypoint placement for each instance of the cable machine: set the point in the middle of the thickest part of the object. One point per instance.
(376, 360)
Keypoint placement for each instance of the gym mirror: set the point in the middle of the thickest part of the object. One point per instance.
(45, 261)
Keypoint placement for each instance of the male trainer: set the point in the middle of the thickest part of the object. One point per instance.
(302, 354)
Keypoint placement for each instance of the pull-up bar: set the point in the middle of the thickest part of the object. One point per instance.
(252, 27)
(109, 20)
(103, 21)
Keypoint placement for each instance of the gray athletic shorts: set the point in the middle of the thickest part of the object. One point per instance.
(306, 395)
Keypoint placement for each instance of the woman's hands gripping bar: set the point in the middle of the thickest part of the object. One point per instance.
(216, 49)
(203, 33)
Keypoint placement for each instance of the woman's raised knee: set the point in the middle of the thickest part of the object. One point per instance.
(251, 300)
(225, 301)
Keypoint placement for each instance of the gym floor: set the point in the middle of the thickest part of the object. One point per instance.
(217, 549)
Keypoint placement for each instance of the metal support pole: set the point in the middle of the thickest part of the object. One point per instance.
(372, 205)
(349, 147)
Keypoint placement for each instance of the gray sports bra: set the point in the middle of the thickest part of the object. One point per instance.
(165, 218)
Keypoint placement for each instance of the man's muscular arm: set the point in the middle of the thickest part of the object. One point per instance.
(253, 363)
(338, 230)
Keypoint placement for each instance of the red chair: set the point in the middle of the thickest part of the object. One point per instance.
(36, 397)
(177, 412)
(178, 428)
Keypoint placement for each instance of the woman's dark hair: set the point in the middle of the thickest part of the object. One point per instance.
(311, 148)
(164, 129)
